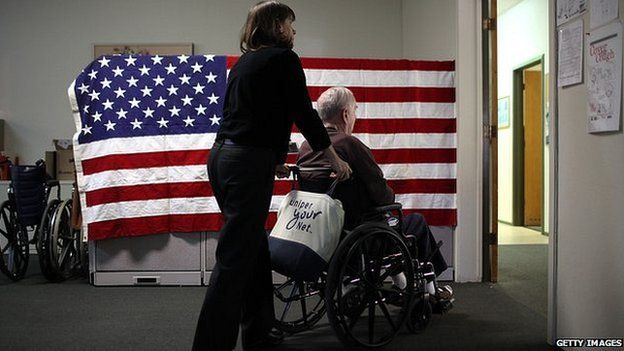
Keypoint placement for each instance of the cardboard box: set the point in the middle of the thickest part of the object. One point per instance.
(50, 160)
(64, 159)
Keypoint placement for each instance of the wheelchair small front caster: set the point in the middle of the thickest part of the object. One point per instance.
(420, 315)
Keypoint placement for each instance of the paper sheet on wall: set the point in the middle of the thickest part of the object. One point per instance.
(570, 54)
(569, 9)
(602, 12)
(604, 80)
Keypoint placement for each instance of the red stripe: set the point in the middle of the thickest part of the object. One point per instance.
(367, 64)
(437, 217)
(148, 192)
(212, 222)
(145, 160)
(424, 186)
(402, 125)
(393, 94)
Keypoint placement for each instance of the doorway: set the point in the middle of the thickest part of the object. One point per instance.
(528, 146)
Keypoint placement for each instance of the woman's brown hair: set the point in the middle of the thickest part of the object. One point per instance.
(262, 26)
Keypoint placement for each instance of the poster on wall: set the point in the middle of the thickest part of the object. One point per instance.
(604, 78)
(503, 112)
(569, 9)
(602, 12)
(570, 54)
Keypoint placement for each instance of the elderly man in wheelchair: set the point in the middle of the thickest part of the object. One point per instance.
(383, 272)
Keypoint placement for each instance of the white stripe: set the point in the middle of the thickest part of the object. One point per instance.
(399, 140)
(144, 176)
(143, 144)
(201, 205)
(369, 78)
(198, 205)
(198, 173)
(404, 109)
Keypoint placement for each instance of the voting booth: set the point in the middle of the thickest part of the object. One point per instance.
(145, 125)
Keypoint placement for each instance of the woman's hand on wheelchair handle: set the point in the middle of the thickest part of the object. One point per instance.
(342, 170)
(282, 171)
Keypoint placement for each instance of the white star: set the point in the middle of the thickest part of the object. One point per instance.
(148, 113)
(188, 121)
(104, 62)
(171, 68)
(197, 67)
(183, 58)
(132, 82)
(110, 125)
(83, 88)
(158, 80)
(86, 109)
(94, 95)
(147, 91)
(199, 89)
(162, 123)
(108, 104)
(215, 120)
(120, 92)
(172, 90)
(118, 71)
(213, 99)
(121, 113)
(200, 110)
(209, 57)
(93, 74)
(136, 124)
(97, 117)
(187, 100)
(144, 70)
(157, 60)
(212, 78)
(130, 60)
(161, 102)
(106, 83)
(134, 103)
(175, 111)
(184, 79)
(86, 130)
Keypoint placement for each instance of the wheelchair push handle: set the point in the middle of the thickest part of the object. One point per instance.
(296, 171)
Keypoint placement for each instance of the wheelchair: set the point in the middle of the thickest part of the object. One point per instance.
(373, 286)
(28, 209)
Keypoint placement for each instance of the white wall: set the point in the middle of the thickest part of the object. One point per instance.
(429, 29)
(590, 235)
(45, 43)
(522, 37)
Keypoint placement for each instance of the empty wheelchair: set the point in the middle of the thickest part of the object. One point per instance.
(373, 286)
(27, 210)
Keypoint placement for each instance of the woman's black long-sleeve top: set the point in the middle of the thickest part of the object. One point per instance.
(266, 93)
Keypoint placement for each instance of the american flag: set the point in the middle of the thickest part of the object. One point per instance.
(145, 124)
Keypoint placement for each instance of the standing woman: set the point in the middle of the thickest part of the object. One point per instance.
(266, 93)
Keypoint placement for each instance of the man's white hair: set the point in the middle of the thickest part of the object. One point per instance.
(332, 101)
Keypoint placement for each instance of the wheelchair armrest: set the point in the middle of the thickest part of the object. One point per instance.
(387, 208)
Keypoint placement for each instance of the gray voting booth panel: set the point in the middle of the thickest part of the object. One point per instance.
(163, 259)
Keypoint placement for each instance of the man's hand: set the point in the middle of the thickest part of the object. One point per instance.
(282, 171)
(342, 170)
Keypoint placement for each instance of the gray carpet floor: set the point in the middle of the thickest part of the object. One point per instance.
(36, 315)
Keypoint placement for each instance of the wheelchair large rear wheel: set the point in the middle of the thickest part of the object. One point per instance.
(369, 286)
(43, 240)
(299, 305)
(64, 241)
(13, 243)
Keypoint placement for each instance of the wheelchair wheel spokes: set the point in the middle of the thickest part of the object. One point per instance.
(299, 305)
(13, 244)
(63, 241)
(364, 307)
(43, 240)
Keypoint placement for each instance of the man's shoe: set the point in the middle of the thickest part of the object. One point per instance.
(273, 338)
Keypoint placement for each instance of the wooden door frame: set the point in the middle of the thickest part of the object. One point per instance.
(518, 142)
